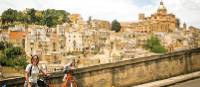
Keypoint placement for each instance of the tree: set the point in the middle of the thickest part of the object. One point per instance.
(9, 15)
(2, 46)
(49, 21)
(153, 44)
(49, 17)
(12, 56)
(12, 52)
(116, 26)
(31, 15)
(53, 17)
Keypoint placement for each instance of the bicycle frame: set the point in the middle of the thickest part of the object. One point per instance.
(70, 81)
(43, 82)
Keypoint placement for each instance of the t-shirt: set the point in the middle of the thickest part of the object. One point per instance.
(34, 73)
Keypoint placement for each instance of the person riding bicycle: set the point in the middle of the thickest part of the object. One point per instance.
(32, 72)
(68, 69)
(69, 79)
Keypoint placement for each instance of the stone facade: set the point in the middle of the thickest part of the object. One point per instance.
(161, 21)
(74, 41)
(17, 38)
(4, 35)
(77, 22)
(99, 24)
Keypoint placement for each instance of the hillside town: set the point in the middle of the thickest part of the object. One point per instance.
(92, 42)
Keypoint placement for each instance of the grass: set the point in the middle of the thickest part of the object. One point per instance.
(12, 72)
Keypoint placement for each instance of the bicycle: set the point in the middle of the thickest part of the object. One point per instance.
(43, 82)
(70, 81)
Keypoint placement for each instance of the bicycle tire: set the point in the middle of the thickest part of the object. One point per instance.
(74, 84)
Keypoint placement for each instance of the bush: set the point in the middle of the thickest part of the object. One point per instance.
(153, 44)
(115, 26)
(12, 56)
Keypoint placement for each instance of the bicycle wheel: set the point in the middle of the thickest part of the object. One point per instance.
(71, 84)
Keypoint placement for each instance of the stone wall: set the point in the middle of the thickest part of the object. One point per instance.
(135, 71)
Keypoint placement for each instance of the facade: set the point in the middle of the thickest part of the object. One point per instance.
(36, 41)
(17, 28)
(17, 38)
(4, 36)
(161, 21)
(77, 22)
(89, 39)
(99, 24)
(74, 41)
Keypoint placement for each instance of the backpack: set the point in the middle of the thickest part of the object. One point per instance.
(30, 71)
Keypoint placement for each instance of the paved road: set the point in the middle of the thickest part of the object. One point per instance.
(191, 83)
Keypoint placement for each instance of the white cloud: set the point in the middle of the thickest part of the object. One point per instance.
(123, 10)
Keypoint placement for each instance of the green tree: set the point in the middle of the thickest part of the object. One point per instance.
(12, 52)
(12, 56)
(116, 26)
(39, 17)
(31, 16)
(22, 17)
(49, 17)
(2, 46)
(49, 21)
(53, 17)
(9, 16)
(153, 44)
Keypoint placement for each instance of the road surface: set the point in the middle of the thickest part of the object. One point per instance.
(190, 83)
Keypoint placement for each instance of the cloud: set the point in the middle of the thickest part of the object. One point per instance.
(122, 10)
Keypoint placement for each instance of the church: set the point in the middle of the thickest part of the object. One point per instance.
(161, 21)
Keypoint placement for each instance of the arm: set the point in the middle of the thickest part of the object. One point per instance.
(27, 78)
(27, 70)
(43, 72)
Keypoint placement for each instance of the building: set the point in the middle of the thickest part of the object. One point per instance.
(74, 41)
(99, 24)
(77, 22)
(17, 38)
(4, 35)
(161, 21)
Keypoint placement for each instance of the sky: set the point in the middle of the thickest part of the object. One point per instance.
(187, 11)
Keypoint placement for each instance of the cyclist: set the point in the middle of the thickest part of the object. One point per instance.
(32, 72)
(68, 69)
(68, 78)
